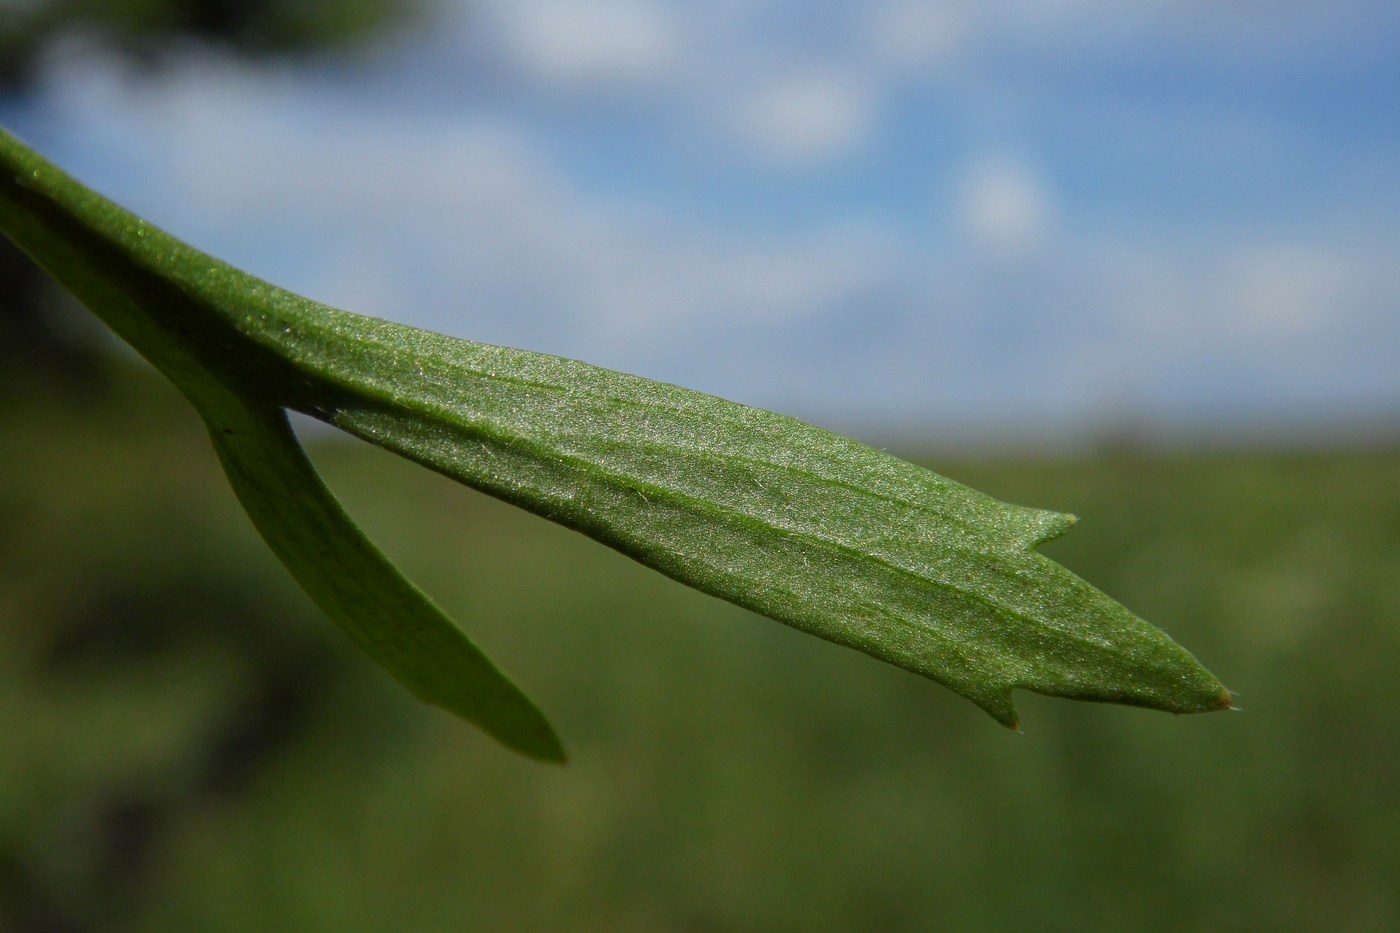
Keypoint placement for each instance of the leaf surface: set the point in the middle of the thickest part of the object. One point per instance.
(356, 585)
(812, 529)
(815, 530)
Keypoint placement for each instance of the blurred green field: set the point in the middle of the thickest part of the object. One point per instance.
(186, 744)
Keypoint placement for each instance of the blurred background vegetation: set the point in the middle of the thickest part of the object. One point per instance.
(186, 744)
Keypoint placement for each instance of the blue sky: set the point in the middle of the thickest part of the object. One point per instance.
(1036, 218)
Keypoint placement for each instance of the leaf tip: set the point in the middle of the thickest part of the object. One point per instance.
(550, 752)
(521, 728)
(1209, 695)
(1050, 525)
(999, 706)
(534, 739)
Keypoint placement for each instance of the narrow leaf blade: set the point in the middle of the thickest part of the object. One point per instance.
(812, 529)
(356, 585)
(189, 315)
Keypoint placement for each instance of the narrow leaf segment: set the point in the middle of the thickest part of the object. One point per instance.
(359, 588)
(809, 528)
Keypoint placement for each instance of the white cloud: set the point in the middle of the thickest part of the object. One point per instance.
(611, 42)
(712, 280)
(806, 116)
(920, 34)
(1286, 293)
(1003, 205)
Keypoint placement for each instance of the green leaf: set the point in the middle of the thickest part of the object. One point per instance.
(814, 530)
(136, 280)
(809, 528)
(359, 588)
